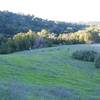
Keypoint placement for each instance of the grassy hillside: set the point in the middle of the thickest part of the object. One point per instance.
(49, 74)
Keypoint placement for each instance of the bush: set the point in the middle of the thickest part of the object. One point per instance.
(85, 55)
(97, 62)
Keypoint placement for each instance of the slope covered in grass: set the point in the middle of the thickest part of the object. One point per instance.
(49, 74)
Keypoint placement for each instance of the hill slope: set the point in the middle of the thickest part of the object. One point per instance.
(48, 74)
(12, 23)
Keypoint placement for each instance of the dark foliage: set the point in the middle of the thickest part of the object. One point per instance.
(12, 23)
(97, 62)
(84, 55)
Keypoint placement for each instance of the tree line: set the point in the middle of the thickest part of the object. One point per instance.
(44, 38)
(23, 32)
(12, 23)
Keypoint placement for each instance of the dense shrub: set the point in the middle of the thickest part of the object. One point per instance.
(97, 62)
(87, 55)
(19, 42)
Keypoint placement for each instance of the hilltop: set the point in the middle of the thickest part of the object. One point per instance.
(12, 23)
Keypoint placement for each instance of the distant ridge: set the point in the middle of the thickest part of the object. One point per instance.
(12, 23)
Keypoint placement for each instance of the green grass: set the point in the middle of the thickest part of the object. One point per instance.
(49, 74)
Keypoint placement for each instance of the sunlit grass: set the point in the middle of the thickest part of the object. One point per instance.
(47, 70)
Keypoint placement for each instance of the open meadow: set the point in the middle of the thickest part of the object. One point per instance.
(49, 74)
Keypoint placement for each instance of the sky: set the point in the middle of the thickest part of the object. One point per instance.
(58, 10)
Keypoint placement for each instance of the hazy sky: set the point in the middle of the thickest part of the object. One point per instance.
(62, 10)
